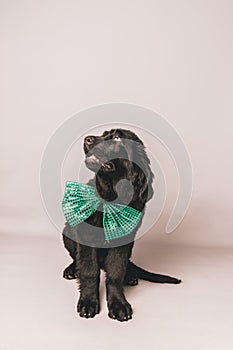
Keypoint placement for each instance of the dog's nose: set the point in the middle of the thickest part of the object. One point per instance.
(89, 140)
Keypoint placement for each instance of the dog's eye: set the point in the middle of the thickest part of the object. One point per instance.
(116, 138)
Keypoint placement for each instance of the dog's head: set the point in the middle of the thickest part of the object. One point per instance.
(120, 154)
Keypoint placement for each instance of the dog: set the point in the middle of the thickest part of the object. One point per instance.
(115, 155)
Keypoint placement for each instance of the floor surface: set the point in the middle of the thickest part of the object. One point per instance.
(38, 307)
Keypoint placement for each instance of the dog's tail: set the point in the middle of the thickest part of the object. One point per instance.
(152, 277)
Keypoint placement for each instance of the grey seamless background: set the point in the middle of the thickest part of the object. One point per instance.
(174, 57)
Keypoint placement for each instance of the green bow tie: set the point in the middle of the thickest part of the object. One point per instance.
(80, 202)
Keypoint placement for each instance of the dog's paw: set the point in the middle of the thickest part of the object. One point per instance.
(88, 308)
(131, 278)
(70, 272)
(120, 311)
(131, 281)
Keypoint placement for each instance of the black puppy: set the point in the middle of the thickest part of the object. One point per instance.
(132, 165)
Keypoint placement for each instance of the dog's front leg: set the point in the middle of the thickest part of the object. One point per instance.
(115, 267)
(89, 277)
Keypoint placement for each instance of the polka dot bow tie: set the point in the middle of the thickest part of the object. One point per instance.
(81, 201)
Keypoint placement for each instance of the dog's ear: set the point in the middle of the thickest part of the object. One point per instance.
(139, 169)
(144, 178)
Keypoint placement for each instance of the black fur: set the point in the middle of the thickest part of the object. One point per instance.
(87, 260)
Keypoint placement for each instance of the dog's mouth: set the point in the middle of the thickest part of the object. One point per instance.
(93, 159)
(95, 163)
